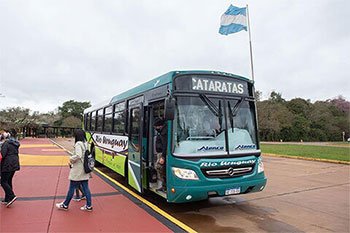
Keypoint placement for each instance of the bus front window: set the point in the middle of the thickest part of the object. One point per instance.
(241, 126)
(200, 126)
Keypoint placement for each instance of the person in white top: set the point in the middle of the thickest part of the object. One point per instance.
(77, 175)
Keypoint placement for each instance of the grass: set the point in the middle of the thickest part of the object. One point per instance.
(308, 151)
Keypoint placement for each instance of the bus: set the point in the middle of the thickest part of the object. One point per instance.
(212, 144)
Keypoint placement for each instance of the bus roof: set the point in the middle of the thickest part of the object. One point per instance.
(156, 82)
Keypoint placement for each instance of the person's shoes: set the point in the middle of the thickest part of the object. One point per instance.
(10, 202)
(61, 206)
(3, 202)
(86, 208)
(77, 199)
(83, 198)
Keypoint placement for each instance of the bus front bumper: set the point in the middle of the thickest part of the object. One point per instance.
(196, 193)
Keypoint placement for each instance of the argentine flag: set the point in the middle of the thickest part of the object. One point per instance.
(233, 20)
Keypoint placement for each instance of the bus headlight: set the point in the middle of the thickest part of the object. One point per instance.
(260, 166)
(185, 174)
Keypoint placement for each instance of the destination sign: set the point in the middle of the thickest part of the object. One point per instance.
(214, 85)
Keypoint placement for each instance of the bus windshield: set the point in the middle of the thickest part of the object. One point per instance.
(214, 126)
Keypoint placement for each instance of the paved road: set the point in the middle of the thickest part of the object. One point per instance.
(301, 196)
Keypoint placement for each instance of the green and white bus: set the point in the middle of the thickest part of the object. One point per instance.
(212, 135)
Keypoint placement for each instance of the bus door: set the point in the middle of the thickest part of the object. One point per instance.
(135, 147)
(156, 110)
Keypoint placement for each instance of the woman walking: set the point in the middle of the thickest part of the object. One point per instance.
(77, 175)
(9, 165)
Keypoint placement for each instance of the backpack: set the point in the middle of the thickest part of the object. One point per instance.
(89, 161)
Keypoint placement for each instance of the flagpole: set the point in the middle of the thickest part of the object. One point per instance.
(250, 46)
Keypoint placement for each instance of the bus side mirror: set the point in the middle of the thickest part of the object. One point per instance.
(169, 109)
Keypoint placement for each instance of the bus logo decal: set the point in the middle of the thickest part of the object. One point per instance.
(156, 83)
(246, 147)
(227, 163)
(210, 148)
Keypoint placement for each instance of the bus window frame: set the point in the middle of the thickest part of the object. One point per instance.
(88, 125)
(117, 110)
(86, 118)
(104, 118)
(90, 122)
(93, 121)
(99, 128)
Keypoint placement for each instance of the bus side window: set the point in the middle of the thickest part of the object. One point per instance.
(108, 119)
(86, 120)
(135, 129)
(99, 120)
(93, 121)
(119, 119)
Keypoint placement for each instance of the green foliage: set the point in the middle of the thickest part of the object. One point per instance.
(257, 95)
(16, 118)
(273, 118)
(299, 119)
(276, 97)
(69, 115)
(72, 122)
(299, 106)
(73, 108)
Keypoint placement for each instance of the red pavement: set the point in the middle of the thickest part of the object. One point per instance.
(38, 188)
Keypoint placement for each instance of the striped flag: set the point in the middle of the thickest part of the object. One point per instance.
(233, 20)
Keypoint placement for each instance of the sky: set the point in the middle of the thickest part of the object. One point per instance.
(52, 51)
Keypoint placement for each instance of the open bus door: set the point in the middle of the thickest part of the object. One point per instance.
(135, 147)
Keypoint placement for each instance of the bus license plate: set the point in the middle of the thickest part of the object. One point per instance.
(232, 191)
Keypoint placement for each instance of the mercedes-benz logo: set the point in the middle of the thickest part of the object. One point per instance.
(230, 171)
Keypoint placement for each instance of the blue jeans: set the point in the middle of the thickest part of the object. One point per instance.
(73, 186)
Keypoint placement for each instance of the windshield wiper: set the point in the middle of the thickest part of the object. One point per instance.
(220, 115)
(212, 107)
(217, 111)
(233, 112)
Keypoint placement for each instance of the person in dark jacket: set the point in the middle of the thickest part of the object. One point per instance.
(9, 165)
(161, 149)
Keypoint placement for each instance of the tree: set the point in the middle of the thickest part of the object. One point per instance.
(299, 106)
(16, 117)
(73, 108)
(299, 119)
(258, 95)
(276, 97)
(341, 104)
(72, 122)
(273, 118)
(320, 116)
